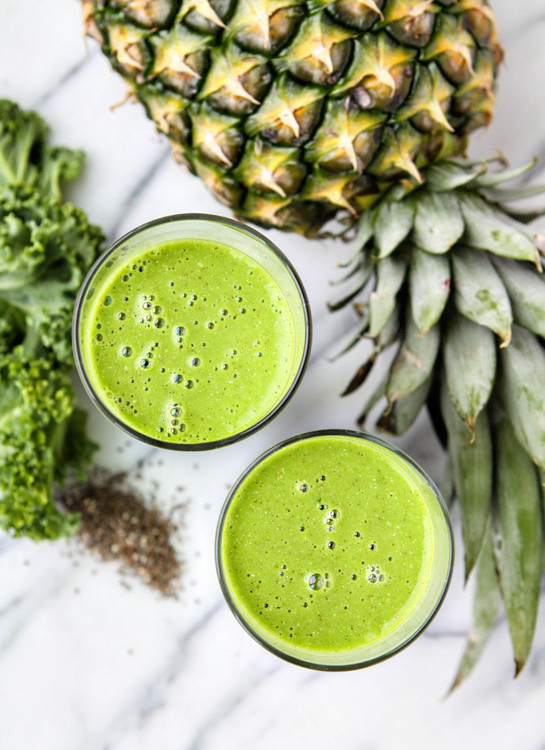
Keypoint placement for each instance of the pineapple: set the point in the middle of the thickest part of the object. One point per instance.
(294, 113)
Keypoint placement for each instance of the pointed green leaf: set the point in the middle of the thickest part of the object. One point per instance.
(479, 293)
(486, 602)
(447, 176)
(491, 179)
(521, 387)
(469, 356)
(506, 195)
(526, 289)
(393, 223)
(429, 284)
(399, 416)
(361, 373)
(390, 275)
(438, 223)
(339, 304)
(414, 361)
(471, 461)
(360, 335)
(366, 227)
(489, 228)
(519, 554)
(376, 390)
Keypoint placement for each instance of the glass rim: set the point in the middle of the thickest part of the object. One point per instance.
(309, 664)
(212, 444)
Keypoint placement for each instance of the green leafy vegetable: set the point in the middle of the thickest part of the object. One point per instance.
(46, 247)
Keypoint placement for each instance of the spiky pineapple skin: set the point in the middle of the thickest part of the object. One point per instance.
(293, 111)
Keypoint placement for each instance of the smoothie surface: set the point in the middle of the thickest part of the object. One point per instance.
(190, 342)
(327, 544)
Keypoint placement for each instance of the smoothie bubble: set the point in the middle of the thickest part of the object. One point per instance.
(159, 322)
(121, 316)
(315, 581)
(126, 351)
(108, 301)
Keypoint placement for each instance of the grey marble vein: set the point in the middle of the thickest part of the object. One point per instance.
(26, 607)
(65, 78)
(145, 179)
(228, 708)
(155, 694)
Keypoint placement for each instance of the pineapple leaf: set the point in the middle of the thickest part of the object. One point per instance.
(519, 556)
(526, 289)
(469, 358)
(491, 179)
(479, 293)
(399, 416)
(486, 602)
(414, 361)
(520, 387)
(334, 306)
(489, 228)
(390, 275)
(366, 227)
(503, 195)
(362, 330)
(448, 176)
(393, 223)
(429, 284)
(438, 222)
(471, 465)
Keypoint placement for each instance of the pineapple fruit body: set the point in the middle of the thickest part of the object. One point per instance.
(293, 111)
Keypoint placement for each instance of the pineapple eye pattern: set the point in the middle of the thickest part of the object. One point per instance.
(292, 112)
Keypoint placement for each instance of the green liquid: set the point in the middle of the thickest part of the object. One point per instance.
(329, 544)
(189, 342)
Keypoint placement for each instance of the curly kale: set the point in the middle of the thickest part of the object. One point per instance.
(46, 247)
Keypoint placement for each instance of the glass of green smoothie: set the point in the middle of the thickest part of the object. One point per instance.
(334, 550)
(191, 332)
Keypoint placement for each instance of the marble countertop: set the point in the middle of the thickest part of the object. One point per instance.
(85, 663)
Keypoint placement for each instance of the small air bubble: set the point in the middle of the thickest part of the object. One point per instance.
(121, 316)
(180, 331)
(188, 384)
(144, 363)
(301, 528)
(159, 322)
(175, 411)
(177, 378)
(259, 354)
(210, 325)
(146, 305)
(330, 545)
(356, 533)
(126, 351)
(315, 582)
(125, 277)
(99, 337)
(303, 488)
(108, 301)
(196, 362)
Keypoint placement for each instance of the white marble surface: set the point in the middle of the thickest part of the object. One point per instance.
(86, 664)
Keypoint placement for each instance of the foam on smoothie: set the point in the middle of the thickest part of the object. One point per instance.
(190, 342)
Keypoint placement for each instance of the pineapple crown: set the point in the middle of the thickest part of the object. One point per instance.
(449, 276)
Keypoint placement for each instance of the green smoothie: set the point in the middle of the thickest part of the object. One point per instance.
(191, 341)
(330, 545)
